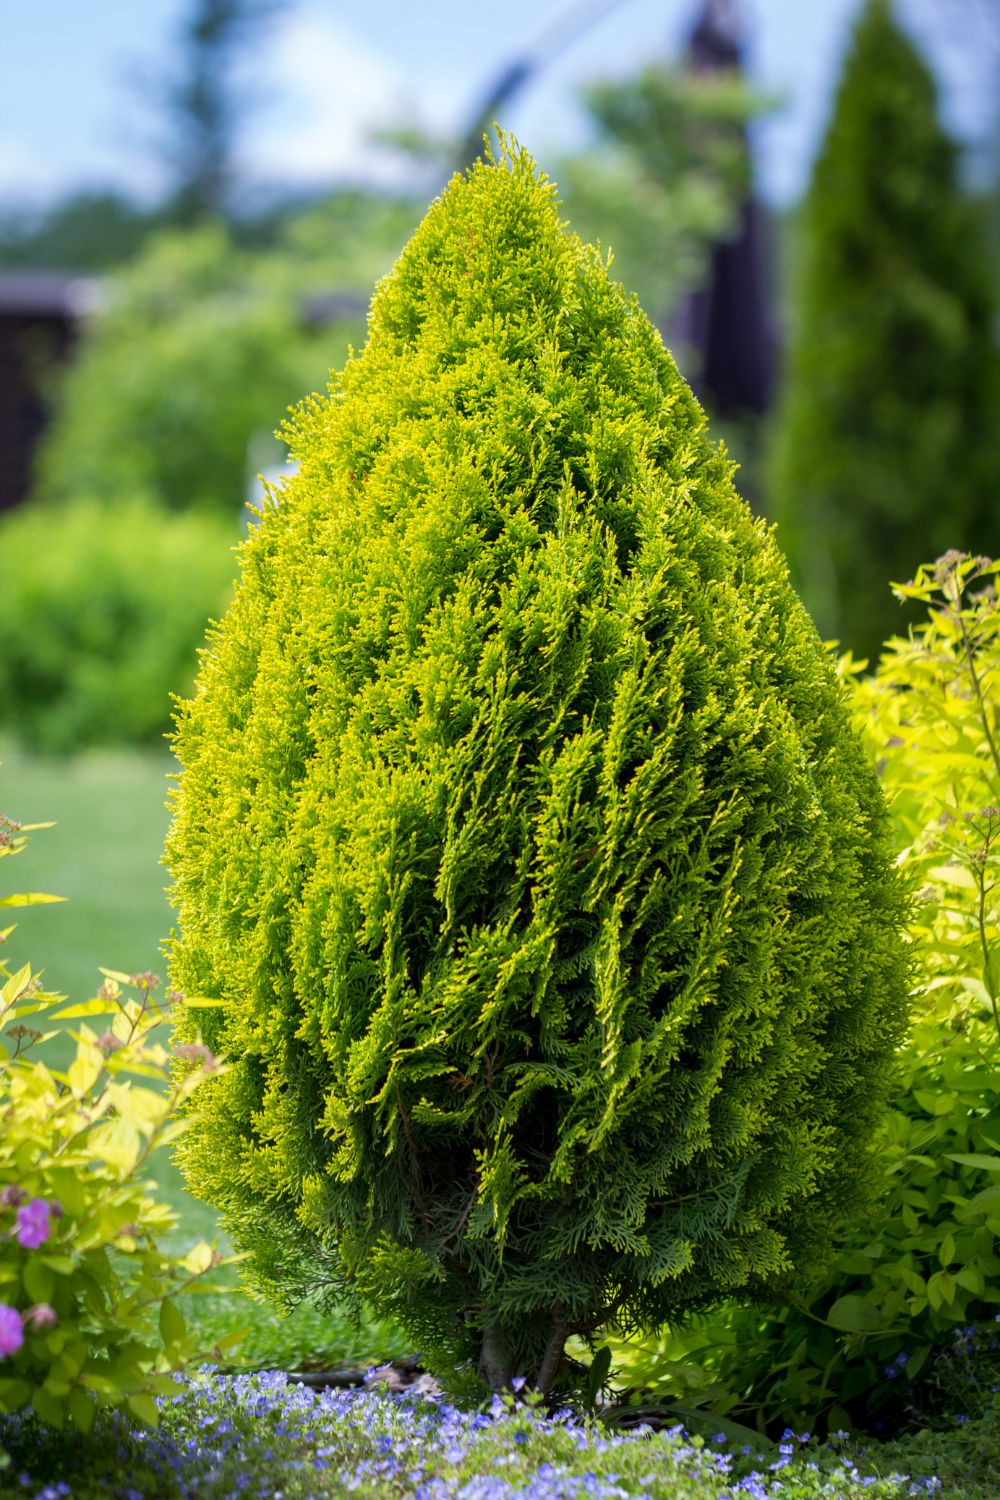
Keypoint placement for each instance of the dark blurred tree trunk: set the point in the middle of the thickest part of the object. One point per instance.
(205, 106)
(725, 327)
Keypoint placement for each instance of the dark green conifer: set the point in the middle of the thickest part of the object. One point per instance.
(523, 836)
(887, 445)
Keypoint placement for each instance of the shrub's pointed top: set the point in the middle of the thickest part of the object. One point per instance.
(491, 243)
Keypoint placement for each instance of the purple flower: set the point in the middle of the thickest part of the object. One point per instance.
(11, 1330)
(11, 1196)
(33, 1224)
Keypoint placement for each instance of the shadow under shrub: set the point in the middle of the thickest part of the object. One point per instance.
(102, 609)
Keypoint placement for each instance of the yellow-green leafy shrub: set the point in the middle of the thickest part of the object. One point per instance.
(87, 1316)
(523, 835)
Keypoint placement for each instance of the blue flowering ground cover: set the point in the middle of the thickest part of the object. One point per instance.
(256, 1436)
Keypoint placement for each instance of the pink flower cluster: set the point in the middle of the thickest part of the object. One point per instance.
(11, 1330)
(33, 1224)
(33, 1216)
(12, 1325)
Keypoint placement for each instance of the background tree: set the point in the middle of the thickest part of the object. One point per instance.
(664, 179)
(206, 104)
(200, 350)
(88, 231)
(887, 444)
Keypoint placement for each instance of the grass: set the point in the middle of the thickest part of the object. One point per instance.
(103, 856)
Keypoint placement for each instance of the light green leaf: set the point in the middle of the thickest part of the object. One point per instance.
(85, 1008)
(63, 1265)
(15, 984)
(145, 1408)
(141, 1107)
(39, 1279)
(48, 1407)
(29, 898)
(82, 1408)
(116, 975)
(941, 1288)
(855, 1315)
(198, 1258)
(119, 1143)
(933, 1102)
(173, 1328)
(84, 1071)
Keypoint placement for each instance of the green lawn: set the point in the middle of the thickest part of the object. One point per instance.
(103, 856)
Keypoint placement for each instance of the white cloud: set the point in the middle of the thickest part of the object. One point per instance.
(28, 176)
(329, 89)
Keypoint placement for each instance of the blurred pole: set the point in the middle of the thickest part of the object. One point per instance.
(555, 36)
(726, 327)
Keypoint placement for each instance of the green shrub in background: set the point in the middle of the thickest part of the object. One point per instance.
(886, 444)
(522, 834)
(864, 1342)
(201, 347)
(87, 1316)
(102, 609)
(666, 178)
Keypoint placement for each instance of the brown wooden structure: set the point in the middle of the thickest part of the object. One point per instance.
(40, 312)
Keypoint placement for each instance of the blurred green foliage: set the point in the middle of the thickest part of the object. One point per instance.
(887, 445)
(200, 347)
(102, 856)
(665, 178)
(86, 231)
(103, 607)
(662, 179)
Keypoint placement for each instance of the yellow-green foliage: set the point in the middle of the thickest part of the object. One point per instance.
(86, 1311)
(523, 834)
(924, 1264)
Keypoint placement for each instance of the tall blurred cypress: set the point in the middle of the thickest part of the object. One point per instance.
(886, 448)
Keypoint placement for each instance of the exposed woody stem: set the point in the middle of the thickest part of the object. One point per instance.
(496, 1364)
(552, 1359)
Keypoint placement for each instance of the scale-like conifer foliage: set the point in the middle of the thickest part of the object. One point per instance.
(522, 833)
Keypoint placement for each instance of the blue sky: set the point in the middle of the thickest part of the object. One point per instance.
(75, 109)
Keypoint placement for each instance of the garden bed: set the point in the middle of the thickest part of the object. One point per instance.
(259, 1435)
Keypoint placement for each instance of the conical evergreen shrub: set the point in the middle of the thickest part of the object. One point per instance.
(522, 834)
(886, 447)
